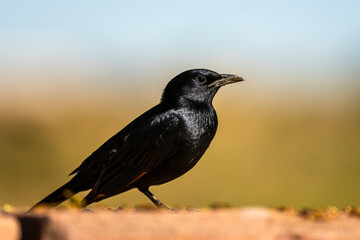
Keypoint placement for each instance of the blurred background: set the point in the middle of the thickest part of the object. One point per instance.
(73, 73)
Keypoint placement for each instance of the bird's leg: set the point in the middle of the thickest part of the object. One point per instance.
(153, 198)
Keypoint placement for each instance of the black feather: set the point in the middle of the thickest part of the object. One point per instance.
(160, 145)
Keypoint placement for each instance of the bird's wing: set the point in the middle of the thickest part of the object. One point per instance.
(145, 148)
(92, 166)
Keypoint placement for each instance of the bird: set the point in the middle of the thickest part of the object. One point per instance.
(159, 146)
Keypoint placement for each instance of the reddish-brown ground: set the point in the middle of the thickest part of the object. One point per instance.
(244, 223)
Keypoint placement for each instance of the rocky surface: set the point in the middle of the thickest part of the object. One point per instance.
(243, 223)
(9, 227)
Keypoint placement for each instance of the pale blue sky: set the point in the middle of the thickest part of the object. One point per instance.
(313, 40)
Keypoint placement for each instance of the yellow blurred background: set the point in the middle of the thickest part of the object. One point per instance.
(72, 76)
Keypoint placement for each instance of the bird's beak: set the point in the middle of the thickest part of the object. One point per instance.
(226, 79)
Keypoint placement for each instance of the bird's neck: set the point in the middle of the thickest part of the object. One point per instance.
(190, 100)
(196, 104)
(199, 106)
(188, 103)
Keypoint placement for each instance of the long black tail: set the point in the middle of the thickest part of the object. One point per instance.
(60, 195)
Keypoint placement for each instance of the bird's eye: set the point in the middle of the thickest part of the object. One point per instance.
(201, 79)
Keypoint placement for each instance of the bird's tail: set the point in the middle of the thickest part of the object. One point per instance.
(60, 195)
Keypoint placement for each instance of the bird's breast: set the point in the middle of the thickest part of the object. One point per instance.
(200, 129)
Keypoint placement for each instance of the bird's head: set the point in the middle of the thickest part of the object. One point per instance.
(196, 85)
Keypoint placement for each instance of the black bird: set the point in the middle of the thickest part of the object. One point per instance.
(160, 145)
